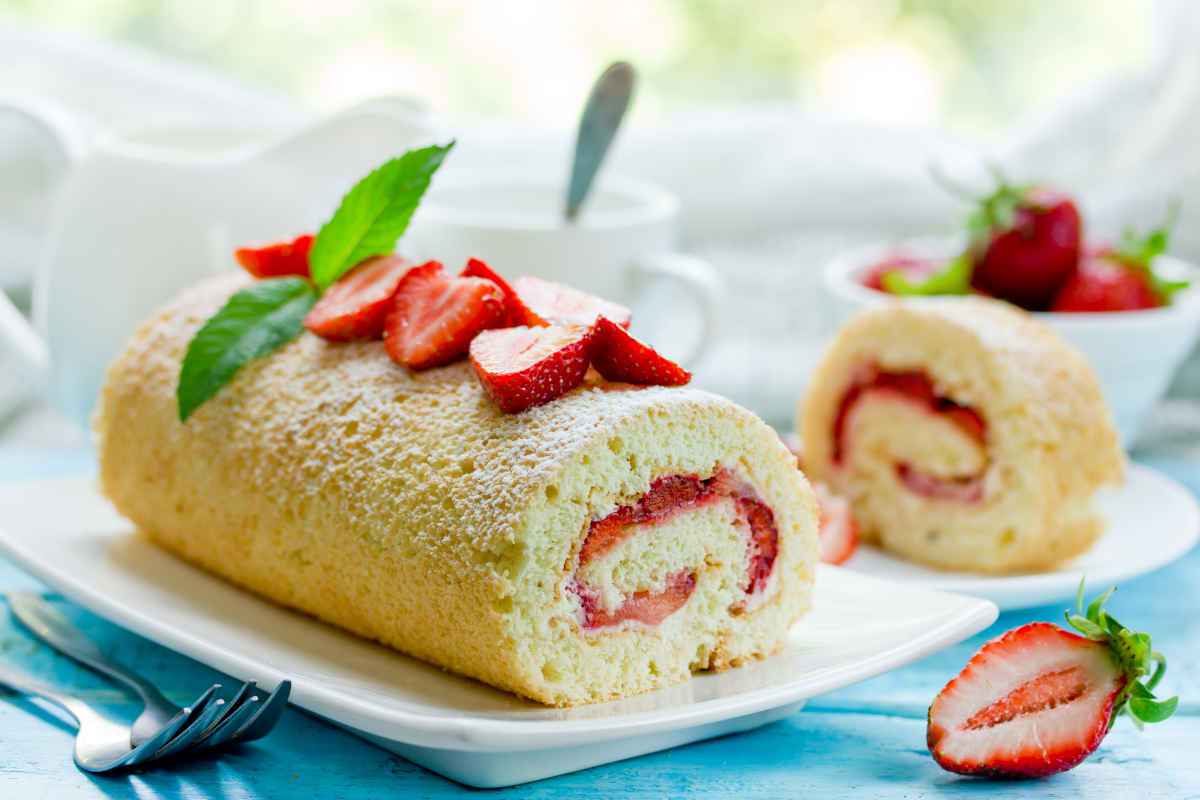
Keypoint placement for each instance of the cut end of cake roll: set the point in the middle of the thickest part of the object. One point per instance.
(694, 548)
(609, 543)
(966, 434)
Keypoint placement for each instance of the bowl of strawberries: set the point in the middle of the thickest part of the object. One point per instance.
(1132, 309)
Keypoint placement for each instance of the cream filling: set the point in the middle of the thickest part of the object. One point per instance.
(885, 427)
(708, 537)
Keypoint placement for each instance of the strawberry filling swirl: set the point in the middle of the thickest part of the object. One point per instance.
(667, 497)
(913, 386)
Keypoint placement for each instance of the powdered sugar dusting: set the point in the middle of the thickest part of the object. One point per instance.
(379, 442)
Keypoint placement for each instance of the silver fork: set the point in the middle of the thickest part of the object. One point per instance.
(244, 718)
(101, 744)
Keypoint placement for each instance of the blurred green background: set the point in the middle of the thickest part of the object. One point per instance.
(967, 65)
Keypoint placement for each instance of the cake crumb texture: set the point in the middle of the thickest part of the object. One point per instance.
(405, 507)
(1050, 442)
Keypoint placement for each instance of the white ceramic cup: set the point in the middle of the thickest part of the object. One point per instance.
(622, 244)
(1134, 353)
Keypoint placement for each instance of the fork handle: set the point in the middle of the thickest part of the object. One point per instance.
(17, 681)
(49, 625)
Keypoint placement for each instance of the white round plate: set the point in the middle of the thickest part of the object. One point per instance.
(1152, 521)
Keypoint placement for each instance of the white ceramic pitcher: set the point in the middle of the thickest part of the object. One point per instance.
(139, 217)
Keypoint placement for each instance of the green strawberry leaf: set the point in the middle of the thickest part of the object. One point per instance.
(1133, 655)
(1146, 709)
(374, 214)
(1097, 605)
(254, 322)
(1139, 252)
(1085, 626)
(953, 278)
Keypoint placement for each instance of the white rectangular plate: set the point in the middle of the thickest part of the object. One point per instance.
(67, 535)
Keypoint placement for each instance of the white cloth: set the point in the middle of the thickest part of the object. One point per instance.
(768, 193)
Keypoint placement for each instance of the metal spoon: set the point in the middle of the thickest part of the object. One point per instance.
(602, 115)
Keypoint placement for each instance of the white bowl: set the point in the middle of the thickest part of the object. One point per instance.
(1134, 353)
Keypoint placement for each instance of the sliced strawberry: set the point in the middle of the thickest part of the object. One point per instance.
(356, 306)
(963, 489)
(1033, 702)
(518, 313)
(1039, 700)
(838, 531)
(1103, 283)
(648, 608)
(968, 420)
(565, 305)
(764, 541)
(911, 267)
(667, 495)
(525, 367)
(618, 356)
(276, 260)
(434, 316)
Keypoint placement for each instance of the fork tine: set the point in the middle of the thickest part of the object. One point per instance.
(184, 738)
(231, 707)
(265, 719)
(233, 722)
(148, 749)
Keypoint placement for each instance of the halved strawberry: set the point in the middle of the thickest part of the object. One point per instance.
(356, 306)
(618, 356)
(276, 260)
(525, 367)
(838, 533)
(565, 305)
(518, 313)
(434, 316)
(1039, 700)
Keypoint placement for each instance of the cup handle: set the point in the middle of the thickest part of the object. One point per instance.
(24, 358)
(57, 125)
(698, 278)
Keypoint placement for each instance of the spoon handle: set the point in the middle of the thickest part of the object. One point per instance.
(602, 115)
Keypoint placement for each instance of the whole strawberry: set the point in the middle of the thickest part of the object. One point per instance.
(1039, 699)
(1025, 244)
(1122, 278)
(1104, 283)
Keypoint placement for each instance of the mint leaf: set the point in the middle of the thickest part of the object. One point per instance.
(374, 214)
(254, 322)
(954, 278)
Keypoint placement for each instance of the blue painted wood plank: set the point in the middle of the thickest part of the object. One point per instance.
(816, 754)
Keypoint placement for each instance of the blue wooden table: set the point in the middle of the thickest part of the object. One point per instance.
(867, 740)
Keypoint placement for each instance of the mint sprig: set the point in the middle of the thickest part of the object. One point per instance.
(1139, 252)
(953, 278)
(374, 214)
(254, 322)
(1135, 657)
(261, 318)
